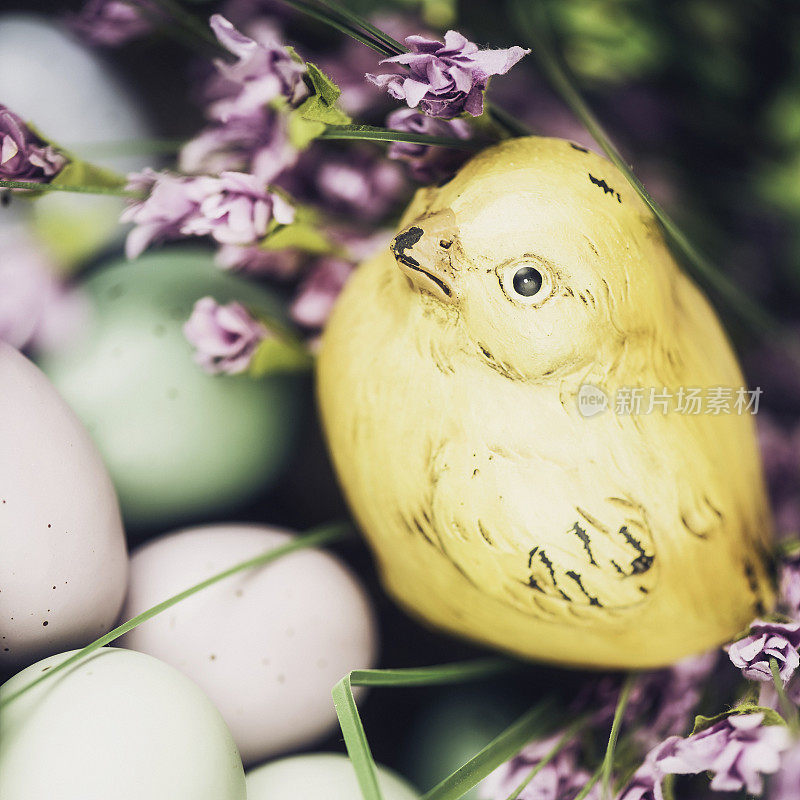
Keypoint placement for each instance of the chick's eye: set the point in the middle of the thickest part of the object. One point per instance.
(527, 281)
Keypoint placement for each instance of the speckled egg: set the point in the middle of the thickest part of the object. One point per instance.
(72, 96)
(63, 562)
(328, 775)
(118, 725)
(179, 443)
(267, 645)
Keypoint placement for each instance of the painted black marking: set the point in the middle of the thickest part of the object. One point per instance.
(641, 564)
(484, 534)
(444, 244)
(531, 555)
(403, 241)
(587, 544)
(548, 564)
(618, 568)
(593, 601)
(578, 147)
(604, 186)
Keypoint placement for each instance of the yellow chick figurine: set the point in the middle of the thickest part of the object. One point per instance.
(451, 379)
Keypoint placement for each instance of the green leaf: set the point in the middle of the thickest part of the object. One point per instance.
(308, 121)
(300, 235)
(317, 537)
(771, 716)
(278, 355)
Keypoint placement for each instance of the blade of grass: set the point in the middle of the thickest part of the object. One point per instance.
(315, 538)
(374, 134)
(608, 760)
(556, 749)
(499, 750)
(355, 737)
(367, 26)
(532, 21)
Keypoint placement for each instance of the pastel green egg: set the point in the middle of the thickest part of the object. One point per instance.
(328, 775)
(178, 443)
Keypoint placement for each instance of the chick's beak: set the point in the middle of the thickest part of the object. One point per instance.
(424, 252)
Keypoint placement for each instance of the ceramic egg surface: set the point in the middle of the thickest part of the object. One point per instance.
(66, 91)
(328, 775)
(118, 725)
(266, 645)
(63, 568)
(177, 441)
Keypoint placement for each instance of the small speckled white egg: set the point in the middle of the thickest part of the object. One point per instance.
(323, 775)
(63, 562)
(179, 443)
(118, 725)
(266, 645)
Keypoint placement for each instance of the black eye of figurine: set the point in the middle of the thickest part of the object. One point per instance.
(527, 281)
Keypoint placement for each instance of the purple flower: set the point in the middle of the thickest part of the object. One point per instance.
(224, 337)
(560, 779)
(318, 292)
(265, 71)
(234, 208)
(784, 785)
(426, 163)
(258, 144)
(23, 156)
(738, 750)
(446, 78)
(767, 640)
(645, 784)
(113, 22)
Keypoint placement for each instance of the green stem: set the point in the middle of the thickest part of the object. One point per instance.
(590, 784)
(668, 787)
(788, 709)
(190, 23)
(315, 538)
(535, 31)
(80, 189)
(607, 766)
(556, 749)
(374, 134)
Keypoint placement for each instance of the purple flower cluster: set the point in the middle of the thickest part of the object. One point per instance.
(23, 156)
(561, 778)
(766, 641)
(447, 78)
(427, 164)
(234, 208)
(737, 751)
(318, 292)
(225, 337)
(111, 23)
(246, 131)
(790, 585)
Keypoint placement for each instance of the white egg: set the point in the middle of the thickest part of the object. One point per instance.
(69, 94)
(63, 562)
(116, 726)
(266, 645)
(319, 775)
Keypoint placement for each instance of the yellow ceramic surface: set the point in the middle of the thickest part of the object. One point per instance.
(498, 507)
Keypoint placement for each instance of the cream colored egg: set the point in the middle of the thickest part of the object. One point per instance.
(266, 645)
(74, 98)
(116, 726)
(63, 562)
(319, 775)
